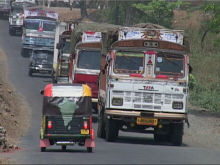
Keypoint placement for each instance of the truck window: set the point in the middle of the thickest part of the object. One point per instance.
(49, 26)
(88, 59)
(32, 24)
(169, 64)
(129, 62)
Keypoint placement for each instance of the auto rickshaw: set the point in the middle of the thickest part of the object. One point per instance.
(67, 116)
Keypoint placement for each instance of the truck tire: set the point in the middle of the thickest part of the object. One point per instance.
(176, 136)
(89, 149)
(30, 72)
(43, 149)
(101, 126)
(111, 130)
(10, 32)
(63, 147)
(160, 138)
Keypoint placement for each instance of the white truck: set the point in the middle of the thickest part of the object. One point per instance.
(143, 84)
(39, 29)
(16, 15)
(4, 8)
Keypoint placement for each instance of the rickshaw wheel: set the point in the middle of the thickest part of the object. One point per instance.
(64, 147)
(43, 149)
(89, 149)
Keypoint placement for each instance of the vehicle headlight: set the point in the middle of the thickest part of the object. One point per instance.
(177, 105)
(117, 101)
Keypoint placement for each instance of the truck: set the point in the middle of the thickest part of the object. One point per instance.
(16, 16)
(4, 8)
(62, 52)
(39, 29)
(85, 57)
(143, 83)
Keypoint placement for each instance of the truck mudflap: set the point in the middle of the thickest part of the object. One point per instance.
(158, 115)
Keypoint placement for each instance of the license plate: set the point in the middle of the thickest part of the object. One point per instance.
(84, 131)
(146, 121)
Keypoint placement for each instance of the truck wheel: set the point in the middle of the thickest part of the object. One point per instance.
(30, 72)
(176, 136)
(10, 32)
(43, 149)
(63, 147)
(101, 126)
(89, 149)
(111, 130)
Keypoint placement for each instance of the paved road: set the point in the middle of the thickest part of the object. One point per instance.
(130, 148)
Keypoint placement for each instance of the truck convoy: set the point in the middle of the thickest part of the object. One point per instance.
(39, 29)
(143, 83)
(16, 15)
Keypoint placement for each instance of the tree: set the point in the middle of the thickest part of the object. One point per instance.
(159, 11)
(212, 24)
(83, 11)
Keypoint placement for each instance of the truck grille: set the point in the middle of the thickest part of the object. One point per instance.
(147, 100)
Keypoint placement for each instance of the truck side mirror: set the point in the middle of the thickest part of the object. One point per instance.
(42, 92)
(58, 46)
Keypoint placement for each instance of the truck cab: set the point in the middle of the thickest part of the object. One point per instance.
(85, 64)
(39, 29)
(61, 59)
(16, 16)
(144, 85)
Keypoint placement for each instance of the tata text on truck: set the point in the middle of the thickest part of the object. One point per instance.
(39, 29)
(143, 85)
(16, 15)
(62, 52)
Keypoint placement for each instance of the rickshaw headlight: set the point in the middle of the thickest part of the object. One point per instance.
(117, 101)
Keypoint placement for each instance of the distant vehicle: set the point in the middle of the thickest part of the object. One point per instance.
(4, 8)
(41, 61)
(85, 62)
(16, 16)
(67, 116)
(39, 29)
(62, 52)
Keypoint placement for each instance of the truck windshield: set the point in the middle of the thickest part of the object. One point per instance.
(17, 11)
(129, 62)
(49, 26)
(169, 64)
(40, 55)
(88, 59)
(32, 24)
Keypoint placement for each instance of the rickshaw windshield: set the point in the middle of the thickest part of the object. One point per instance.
(129, 62)
(67, 106)
(169, 64)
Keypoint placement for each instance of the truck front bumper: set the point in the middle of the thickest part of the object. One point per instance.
(156, 115)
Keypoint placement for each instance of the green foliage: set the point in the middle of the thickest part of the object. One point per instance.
(212, 23)
(159, 11)
(205, 85)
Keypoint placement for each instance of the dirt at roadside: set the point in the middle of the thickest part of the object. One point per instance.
(14, 113)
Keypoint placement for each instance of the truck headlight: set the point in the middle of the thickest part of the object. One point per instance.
(117, 101)
(177, 105)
